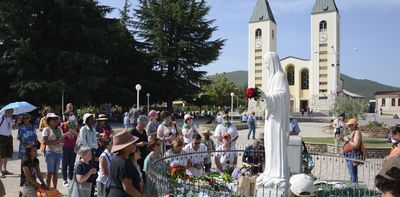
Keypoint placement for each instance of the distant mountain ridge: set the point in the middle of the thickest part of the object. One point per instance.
(364, 87)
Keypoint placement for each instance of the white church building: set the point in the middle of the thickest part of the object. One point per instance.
(314, 83)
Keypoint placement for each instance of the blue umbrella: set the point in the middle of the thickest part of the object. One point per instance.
(19, 108)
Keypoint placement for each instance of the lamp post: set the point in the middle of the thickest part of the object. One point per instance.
(232, 95)
(138, 87)
(148, 101)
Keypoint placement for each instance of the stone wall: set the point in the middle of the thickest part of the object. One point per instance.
(329, 148)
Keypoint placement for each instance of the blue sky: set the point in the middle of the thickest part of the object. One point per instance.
(371, 25)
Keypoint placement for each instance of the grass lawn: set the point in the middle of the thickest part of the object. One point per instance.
(368, 142)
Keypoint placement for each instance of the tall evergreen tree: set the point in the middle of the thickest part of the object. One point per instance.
(51, 46)
(177, 36)
(124, 13)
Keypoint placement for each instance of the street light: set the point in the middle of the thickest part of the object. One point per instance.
(232, 95)
(138, 87)
(148, 99)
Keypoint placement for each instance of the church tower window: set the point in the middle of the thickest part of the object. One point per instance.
(393, 102)
(290, 74)
(323, 26)
(383, 102)
(304, 79)
(258, 33)
(273, 34)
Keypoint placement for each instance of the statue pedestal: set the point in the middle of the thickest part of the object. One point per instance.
(273, 191)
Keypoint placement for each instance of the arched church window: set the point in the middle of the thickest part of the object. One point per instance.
(398, 102)
(290, 75)
(323, 26)
(393, 102)
(383, 102)
(304, 79)
(258, 33)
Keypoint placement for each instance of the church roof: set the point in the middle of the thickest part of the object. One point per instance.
(324, 6)
(351, 94)
(262, 12)
(289, 57)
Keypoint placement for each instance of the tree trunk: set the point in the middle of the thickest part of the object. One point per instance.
(169, 105)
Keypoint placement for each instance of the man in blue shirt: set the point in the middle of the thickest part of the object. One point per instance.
(245, 118)
(251, 122)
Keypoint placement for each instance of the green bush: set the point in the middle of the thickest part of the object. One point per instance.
(353, 108)
(87, 109)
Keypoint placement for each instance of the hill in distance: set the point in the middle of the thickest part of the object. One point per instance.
(364, 87)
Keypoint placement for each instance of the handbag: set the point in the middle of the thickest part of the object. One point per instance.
(51, 192)
(79, 189)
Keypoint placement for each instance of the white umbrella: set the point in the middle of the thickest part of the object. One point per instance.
(18, 107)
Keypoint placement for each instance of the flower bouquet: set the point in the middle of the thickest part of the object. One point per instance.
(178, 174)
(253, 93)
(244, 170)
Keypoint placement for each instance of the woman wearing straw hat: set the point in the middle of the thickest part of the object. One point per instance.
(188, 129)
(124, 177)
(102, 126)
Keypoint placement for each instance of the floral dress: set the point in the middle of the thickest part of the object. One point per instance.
(28, 137)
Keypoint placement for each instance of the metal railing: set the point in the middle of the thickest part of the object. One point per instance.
(329, 172)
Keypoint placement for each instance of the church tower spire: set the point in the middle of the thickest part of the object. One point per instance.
(325, 54)
(321, 6)
(262, 39)
(262, 12)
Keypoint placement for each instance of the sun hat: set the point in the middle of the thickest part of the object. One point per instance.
(51, 115)
(391, 169)
(122, 140)
(86, 116)
(153, 113)
(352, 121)
(301, 183)
(102, 117)
(187, 116)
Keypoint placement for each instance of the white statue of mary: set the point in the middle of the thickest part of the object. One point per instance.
(276, 172)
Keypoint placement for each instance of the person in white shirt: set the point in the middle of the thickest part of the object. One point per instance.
(339, 126)
(188, 129)
(6, 140)
(126, 120)
(174, 152)
(225, 159)
(226, 127)
(104, 167)
(166, 131)
(87, 134)
(219, 119)
(199, 156)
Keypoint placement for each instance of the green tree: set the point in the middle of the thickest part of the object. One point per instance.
(177, 35)
(219, 90)
(47, 47)
(124, 13)
(350, 106)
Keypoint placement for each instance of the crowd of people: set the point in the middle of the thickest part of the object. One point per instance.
(98, 161)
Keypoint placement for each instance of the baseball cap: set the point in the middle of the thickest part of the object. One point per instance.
(153, 113)
(302, 183)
